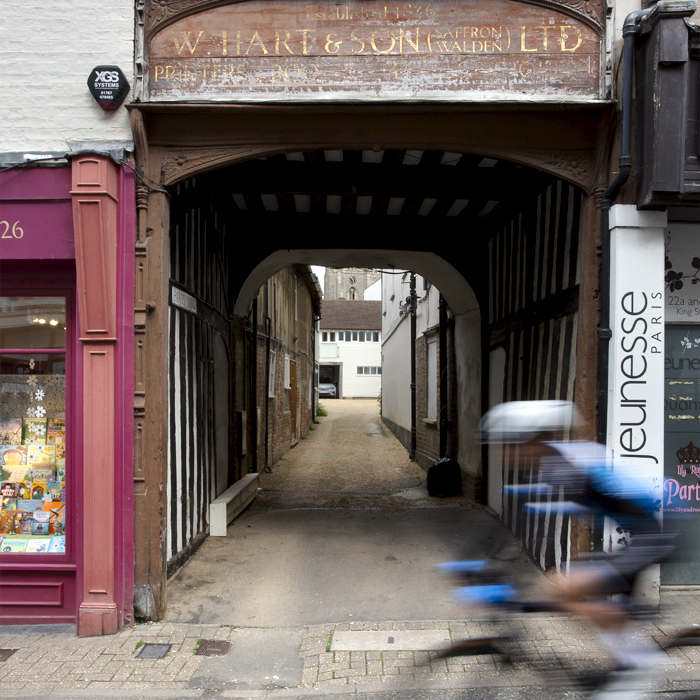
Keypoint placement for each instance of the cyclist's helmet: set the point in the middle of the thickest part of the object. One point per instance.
(522, 421)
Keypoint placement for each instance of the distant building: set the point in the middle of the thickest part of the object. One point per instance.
(435, 401)
(350, 354)
(348, 283)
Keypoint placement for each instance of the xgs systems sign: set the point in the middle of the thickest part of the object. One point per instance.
(108, 86)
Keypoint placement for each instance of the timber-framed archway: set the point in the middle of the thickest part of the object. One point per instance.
(166, 163)
(555, 120)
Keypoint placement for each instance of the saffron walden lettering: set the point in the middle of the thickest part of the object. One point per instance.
(290, 48)
(641, 335)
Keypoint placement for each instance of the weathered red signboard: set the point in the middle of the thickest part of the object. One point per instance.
(467, 49)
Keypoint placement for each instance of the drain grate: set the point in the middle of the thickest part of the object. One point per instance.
(154, 651)
(213, 647)
(5, 654)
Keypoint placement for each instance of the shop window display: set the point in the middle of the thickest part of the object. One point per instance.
(33, 425)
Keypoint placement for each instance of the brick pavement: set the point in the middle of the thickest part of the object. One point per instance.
(54, 661)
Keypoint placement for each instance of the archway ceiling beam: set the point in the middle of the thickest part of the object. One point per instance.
(377, 180)
(366, 232)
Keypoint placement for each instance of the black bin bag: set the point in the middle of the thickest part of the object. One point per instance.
(445, 478)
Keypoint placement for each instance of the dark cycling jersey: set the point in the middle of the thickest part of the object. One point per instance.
(578, 474)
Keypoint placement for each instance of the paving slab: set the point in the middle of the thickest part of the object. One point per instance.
(402, 640)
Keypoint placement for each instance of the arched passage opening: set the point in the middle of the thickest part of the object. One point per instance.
(498, 239)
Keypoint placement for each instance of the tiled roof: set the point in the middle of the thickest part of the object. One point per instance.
(351, 315)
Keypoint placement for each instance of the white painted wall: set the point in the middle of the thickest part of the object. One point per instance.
(353, 355)
(396, 345)
(47, 51)
(373, 292)
(396, 374)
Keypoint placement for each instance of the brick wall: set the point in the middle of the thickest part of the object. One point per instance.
(47, 52)
(427, 432)
(275, 428)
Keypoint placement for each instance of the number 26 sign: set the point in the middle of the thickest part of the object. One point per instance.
(8, 230)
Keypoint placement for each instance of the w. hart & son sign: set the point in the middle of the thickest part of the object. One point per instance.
(272, 49)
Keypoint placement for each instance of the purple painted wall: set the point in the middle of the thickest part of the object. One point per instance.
(37, 253)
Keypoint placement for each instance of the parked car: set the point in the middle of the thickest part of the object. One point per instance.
(327, 390)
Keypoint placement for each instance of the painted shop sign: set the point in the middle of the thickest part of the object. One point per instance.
(682, 420)
(289, 49)
(636, 412)
(682, 274)
(681, 492)
(183, 300)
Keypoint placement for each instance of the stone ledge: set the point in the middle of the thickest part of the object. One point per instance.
(231, 503)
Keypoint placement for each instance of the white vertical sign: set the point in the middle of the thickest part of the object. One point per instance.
(636, 367)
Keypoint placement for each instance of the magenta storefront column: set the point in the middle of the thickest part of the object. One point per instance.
(74, 247)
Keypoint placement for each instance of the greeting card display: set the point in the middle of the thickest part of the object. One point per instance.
(10, 521)
(38, 545)
(10, 431)
(12, 456)
(41, 456)
(56, 520)
(40, 524)
(43, 475)
(34, 431)
(10, 545)
(39, 488)
(57, 438)
(26, 526)
(9, 490)
(58, 545)
(53, 489)
(24, 488)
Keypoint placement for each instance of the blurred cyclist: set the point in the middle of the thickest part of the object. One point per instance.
(539, 430)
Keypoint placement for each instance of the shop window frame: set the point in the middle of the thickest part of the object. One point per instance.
(65, 287)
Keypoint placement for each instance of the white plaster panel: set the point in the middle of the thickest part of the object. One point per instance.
(396, 376)
(47, 51)
(636, 366)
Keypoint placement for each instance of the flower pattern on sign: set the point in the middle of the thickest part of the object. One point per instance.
(32, 380)
(674, 279)
(39, 412)
(688, 344)
(39, 395)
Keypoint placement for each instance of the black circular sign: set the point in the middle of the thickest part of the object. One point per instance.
(108, 86)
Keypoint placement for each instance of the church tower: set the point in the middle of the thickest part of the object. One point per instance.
(348, 283)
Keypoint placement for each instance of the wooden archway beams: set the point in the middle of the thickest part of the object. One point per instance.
(178, 141)
(194, 139)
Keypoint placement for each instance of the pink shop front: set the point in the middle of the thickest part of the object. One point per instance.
(66, 374)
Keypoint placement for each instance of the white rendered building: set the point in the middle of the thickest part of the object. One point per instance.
(350, 347)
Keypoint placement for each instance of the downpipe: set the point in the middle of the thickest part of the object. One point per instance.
(629, 31)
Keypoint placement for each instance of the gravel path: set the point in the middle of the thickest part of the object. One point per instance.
(349, 460)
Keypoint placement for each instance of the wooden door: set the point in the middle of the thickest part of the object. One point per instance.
(293, 398)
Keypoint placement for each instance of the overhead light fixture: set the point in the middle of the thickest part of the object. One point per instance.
(53, 322)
